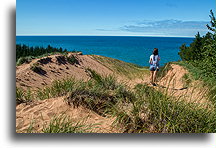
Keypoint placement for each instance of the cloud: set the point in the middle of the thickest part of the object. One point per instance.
(167, 27)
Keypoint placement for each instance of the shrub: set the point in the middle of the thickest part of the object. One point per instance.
(23, 60)
(37, 68)
(72, 60)
(23, 97)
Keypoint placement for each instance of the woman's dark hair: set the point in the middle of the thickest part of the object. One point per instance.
(155, 51)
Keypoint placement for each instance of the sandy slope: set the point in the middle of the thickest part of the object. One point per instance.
(173, 83)
(41, 112)
(55, 69)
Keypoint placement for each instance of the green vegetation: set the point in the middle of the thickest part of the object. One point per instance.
(63, 124)
(23, 97)
(37, 68)
(72, 60)
(136, 111)
(129, 70)
(23, 51)
(200, 57)
(169, 116)
(163, 70)
(202, 52)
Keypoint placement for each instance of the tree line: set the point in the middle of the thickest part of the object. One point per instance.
(25, 51)
(202, 51)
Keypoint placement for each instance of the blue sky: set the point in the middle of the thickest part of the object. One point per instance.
(113, 17)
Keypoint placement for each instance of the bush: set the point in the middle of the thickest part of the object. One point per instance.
(23, 97)
(202, 51)
(37, 68)
(23, 60)
(72, 60)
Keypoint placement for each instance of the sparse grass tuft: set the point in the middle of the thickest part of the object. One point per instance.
(63, 124)
(72, 60)
(163, 70)
(23, 60)
(37, 68)
(186, 80)
(23, 96)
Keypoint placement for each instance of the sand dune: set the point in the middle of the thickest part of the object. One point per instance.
(57, 67)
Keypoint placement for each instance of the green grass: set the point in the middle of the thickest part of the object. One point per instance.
(63, 124)
(129, 70)
(163, 70)
(72, 60)
(23, 60)
(36, 68)
(171, 116)
(23, 96)
(143, 109)
(197, 74)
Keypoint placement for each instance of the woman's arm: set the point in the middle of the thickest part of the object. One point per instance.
(150, 61)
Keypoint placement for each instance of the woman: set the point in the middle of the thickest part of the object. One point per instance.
(154, 66)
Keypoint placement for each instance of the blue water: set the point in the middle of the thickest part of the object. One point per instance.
(129, 49)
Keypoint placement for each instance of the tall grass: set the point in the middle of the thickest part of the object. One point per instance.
(143, 109)
(64, 124)
(171, 116)
(197, 74)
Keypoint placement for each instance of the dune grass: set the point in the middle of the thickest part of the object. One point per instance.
(140, 110)
(64, 124)
(129, 70)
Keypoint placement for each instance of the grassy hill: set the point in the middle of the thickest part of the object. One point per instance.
(75, 93)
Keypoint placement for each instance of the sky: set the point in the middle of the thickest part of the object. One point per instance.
(179, 18)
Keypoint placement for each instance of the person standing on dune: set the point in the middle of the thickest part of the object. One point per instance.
(154, 66)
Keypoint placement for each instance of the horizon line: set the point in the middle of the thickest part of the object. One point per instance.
(102, 35)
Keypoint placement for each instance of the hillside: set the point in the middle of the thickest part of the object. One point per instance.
(101, 93)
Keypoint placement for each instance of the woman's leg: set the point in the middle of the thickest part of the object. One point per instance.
(154, 76)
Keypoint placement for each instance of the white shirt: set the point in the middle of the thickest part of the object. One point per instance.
(154, 59)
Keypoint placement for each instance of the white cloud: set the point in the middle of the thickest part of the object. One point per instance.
(168, 27)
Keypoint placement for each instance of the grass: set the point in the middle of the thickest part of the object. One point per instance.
(129, 70)
(63, 124)
(23, 96)
(143, 109)
(23, 60)
(171, 116)
(28, 59)
(197, 74)
(186, 80)
(163, 70)
(72, 60)
(37, 68)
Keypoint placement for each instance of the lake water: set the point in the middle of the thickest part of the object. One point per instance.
(135, 50)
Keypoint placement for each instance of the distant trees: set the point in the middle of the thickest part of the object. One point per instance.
(25, 51)
(202, 52)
